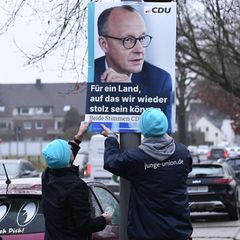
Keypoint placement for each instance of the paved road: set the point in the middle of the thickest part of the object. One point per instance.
(215, 227)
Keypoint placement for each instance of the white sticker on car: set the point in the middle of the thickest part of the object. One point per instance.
(4, 209)
(27, 213)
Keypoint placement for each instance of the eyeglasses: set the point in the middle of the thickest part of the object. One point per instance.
(130, 42)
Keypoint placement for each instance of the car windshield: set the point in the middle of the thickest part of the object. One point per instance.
(217, 152)
(206, 170)
(11, 168)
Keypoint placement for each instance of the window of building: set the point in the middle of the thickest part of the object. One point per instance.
(24, 111)
(2, 108)
(58, 124)
(27, 125)
(46, 110)
(38, 110)
(15, 111)
(3, 125)
(39, 124)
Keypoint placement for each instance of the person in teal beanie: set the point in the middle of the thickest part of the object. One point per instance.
(158, 171)
(65, 195)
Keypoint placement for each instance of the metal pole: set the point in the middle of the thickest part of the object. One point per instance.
(127, 140)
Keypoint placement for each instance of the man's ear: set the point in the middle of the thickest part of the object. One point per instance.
(103, 43)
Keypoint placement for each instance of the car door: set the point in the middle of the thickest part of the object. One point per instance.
(232, 173)
(102, 200)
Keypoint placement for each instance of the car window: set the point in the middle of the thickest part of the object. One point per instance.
(95, 208)
(217, 153)
(232, 163)
(28, 166)
(229, 170)
(108, 202)
(206, 170)
(106, 199)
(23, 215)
(235, 164)
(12, 169)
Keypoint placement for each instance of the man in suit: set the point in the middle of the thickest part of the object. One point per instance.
(123, 39)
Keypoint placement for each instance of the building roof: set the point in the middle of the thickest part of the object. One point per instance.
(56, 95)
(213, 115)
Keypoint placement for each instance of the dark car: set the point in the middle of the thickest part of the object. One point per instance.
(213, 186)
(234, 162)
(216, 153)
(17, 168)
(21, 216)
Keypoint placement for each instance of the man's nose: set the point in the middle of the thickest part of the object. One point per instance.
(138, 46)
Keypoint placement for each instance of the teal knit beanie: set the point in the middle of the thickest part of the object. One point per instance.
(153, 122)
(57, 154)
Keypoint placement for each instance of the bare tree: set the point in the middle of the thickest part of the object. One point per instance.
(210, 37)
(217, 97)
(185, 92)
(210, 40)
(208, 44)
(208, 48)
(63, 28)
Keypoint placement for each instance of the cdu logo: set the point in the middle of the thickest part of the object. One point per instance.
(148, 10)
(27, 213)
(4, 209)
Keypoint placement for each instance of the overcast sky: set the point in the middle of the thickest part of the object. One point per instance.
(12, 61)
(13, 68)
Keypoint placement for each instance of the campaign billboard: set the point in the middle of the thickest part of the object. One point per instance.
(131, 63)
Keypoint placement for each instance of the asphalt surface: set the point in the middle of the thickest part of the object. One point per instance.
(215, 227)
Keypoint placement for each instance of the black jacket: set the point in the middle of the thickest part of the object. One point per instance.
(66, 206)
(158, 206)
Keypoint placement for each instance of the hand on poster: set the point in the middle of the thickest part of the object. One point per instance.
(110, 75)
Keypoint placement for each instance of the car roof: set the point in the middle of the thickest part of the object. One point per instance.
(32, 186)
(21, 186)
(233, 158)
(218, 147)
(209, 162)
(13, 160)
(228, 158)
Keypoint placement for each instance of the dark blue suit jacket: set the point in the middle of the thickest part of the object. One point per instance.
(152, 80)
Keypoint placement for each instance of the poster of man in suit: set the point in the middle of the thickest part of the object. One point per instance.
(131, 63)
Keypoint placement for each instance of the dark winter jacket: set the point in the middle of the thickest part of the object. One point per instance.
(66, 207)
(157, 170)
